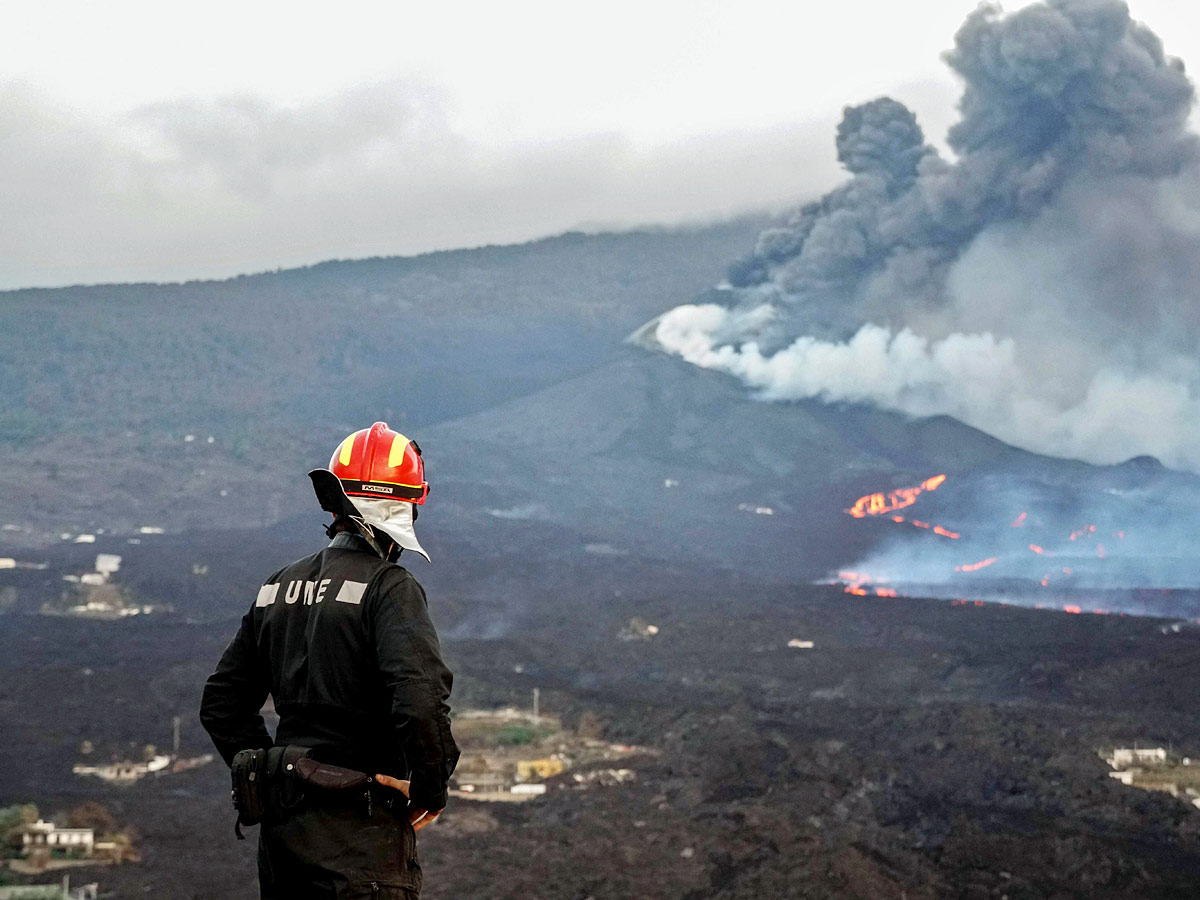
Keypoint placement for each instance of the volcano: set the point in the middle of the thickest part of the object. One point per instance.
(647, 455)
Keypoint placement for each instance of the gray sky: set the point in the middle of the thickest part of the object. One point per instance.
(150, 141)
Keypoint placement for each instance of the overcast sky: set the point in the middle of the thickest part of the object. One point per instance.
(151, 141)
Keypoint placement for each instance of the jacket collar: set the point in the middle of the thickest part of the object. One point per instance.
(346, 541)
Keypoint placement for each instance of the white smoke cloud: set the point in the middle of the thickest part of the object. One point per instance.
(1043, 287)
(976, 378)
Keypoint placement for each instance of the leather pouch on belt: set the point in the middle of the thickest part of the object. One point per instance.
(333, 784)
(330, 778)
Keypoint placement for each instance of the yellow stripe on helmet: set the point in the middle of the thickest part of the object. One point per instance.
(396, 455)
(347, 448)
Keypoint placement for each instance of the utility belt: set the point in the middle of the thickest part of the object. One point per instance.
(270, 785)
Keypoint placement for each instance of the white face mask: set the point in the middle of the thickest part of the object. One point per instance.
(393, 517)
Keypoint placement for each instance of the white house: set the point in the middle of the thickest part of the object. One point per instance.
(1127, 756)
(107, 563)
(47, 835)
(124, 772)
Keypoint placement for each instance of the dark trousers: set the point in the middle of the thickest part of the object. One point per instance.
(339, 853)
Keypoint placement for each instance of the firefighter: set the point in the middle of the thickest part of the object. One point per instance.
(343, 642)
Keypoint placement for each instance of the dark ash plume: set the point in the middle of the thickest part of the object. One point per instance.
(1052, 92)
(1043, 285)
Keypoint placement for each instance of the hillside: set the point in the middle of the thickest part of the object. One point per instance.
(103, 384)
(198, 407)
(648, 455)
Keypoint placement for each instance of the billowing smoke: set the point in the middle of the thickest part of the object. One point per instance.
(1043, 285)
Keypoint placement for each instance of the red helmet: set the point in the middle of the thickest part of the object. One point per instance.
(381, 463)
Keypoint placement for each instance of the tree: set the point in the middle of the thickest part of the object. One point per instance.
(124, 851)
(92, 815)
(590, 725)
(13, 820)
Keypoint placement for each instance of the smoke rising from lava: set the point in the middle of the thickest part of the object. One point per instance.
(1043, 285)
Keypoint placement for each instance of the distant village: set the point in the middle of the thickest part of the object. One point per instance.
(129, 771)
(94, 594)
(513, 755)
(30, 845)
(1156, 769)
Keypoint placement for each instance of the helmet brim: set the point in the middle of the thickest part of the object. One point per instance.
(330, 494)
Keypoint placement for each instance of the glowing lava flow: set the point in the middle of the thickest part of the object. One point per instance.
(1072, 608)
(975, 567)
(859, 584)
(887, 504)
(881, 504)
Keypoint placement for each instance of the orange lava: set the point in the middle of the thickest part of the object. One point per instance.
(887, 503)
(860, 585)
(856, 576)
(880, 504)
(1075, 610)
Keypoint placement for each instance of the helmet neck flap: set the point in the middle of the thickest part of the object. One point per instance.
(380, 521)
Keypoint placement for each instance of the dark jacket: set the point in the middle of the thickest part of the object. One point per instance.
(343, 642)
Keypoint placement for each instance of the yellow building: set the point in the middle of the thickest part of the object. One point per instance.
(531, 769)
